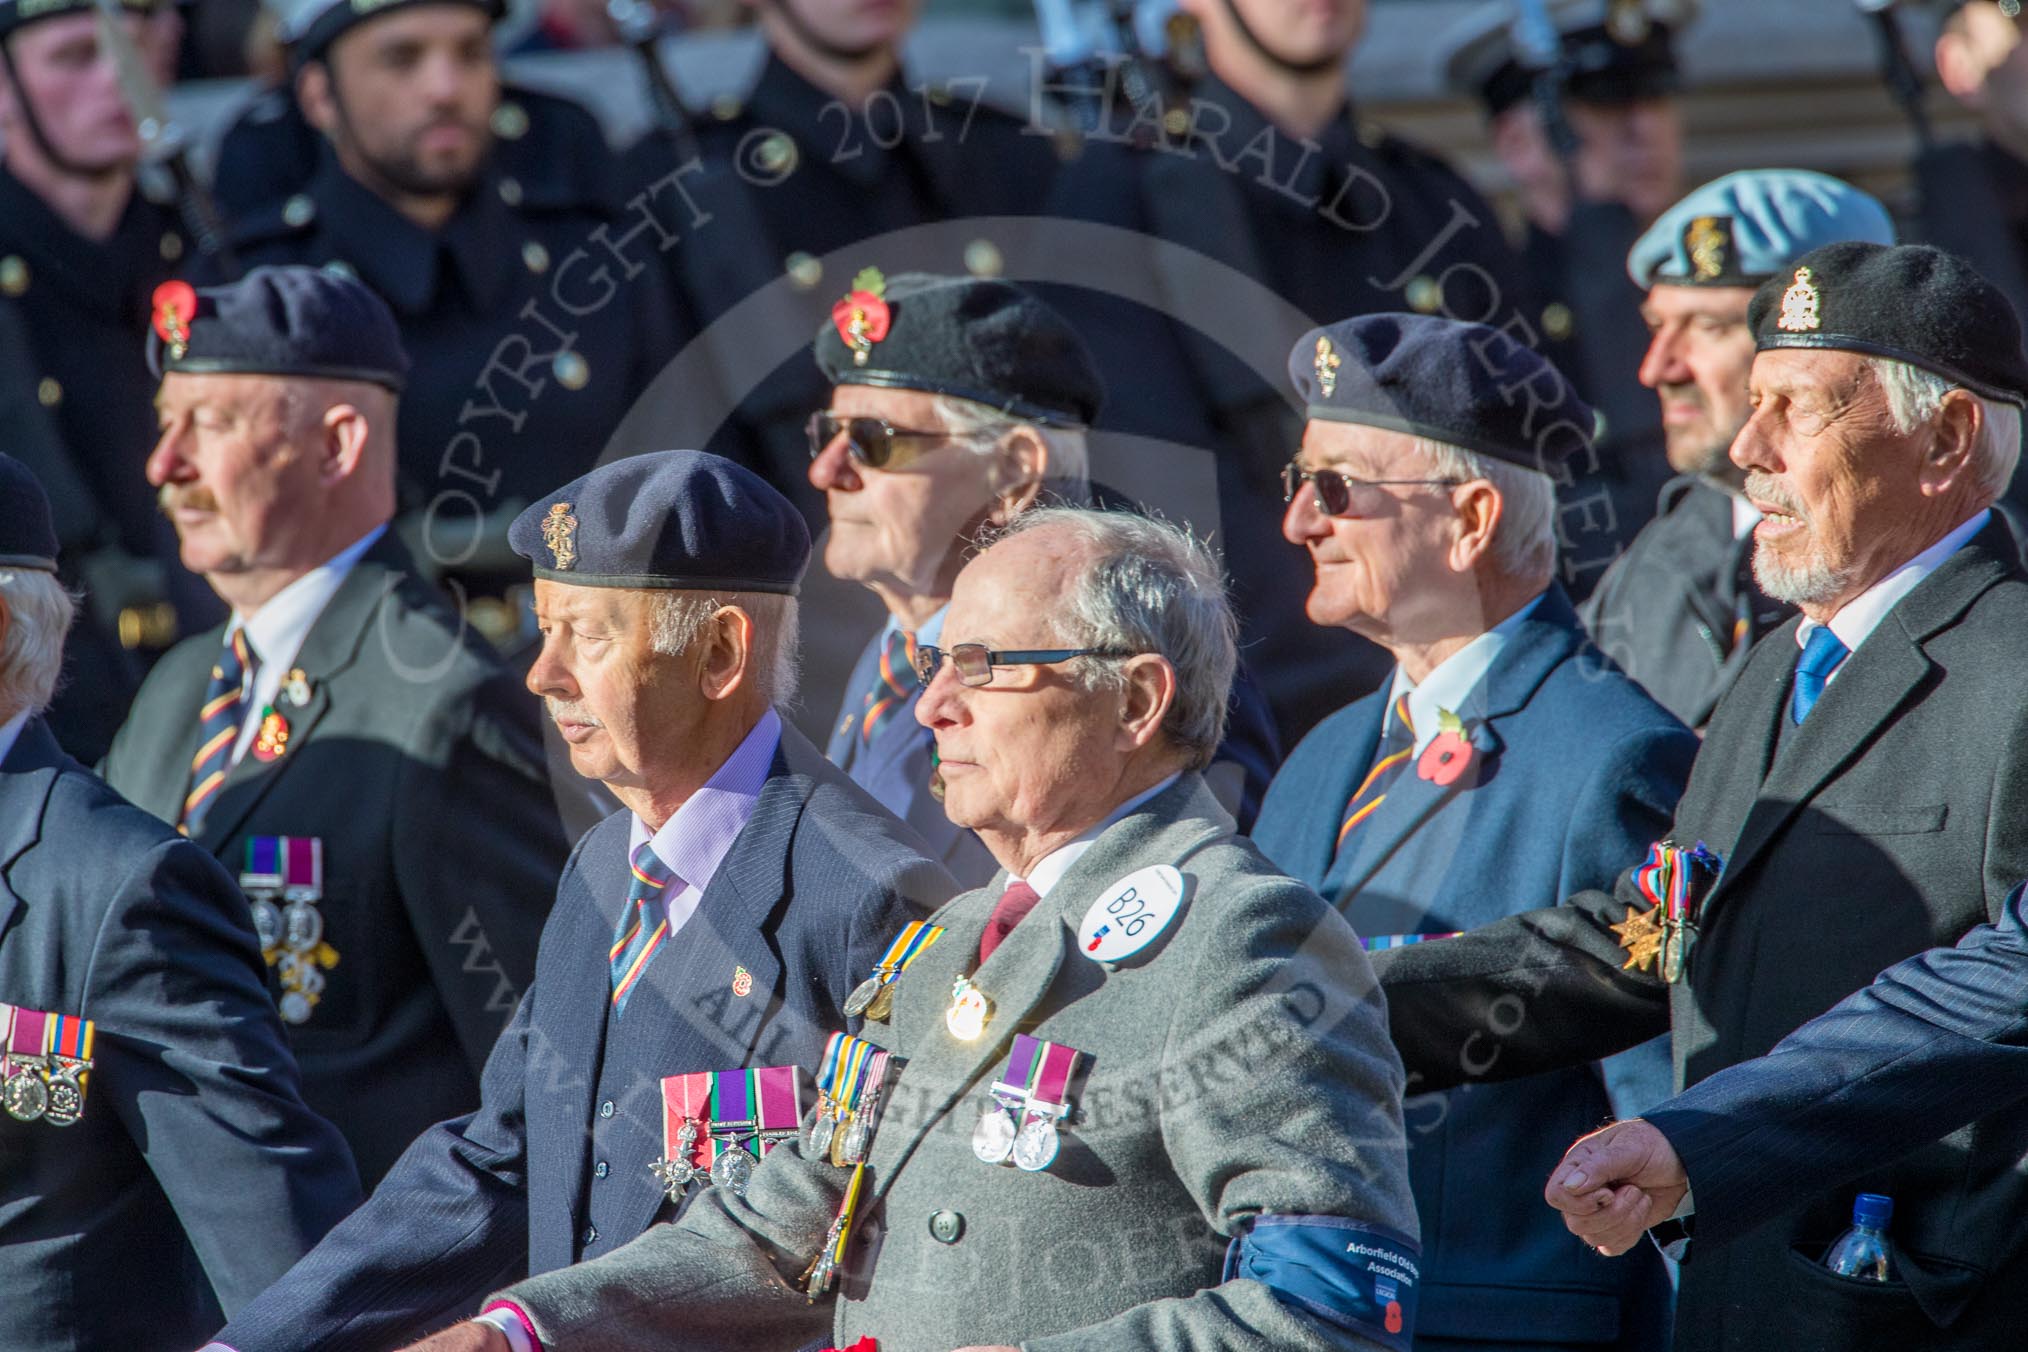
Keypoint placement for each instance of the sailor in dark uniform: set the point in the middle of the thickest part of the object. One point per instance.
(1264, 204)
(1619, 99)
(81, 248)
(834, 144)
(1679, 611)
(532, 313)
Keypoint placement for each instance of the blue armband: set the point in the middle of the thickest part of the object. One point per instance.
(1359, 1278)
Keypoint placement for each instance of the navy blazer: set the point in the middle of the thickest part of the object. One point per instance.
(1576, 770)
(196, 1175)
(554, 1166)
(1937, 1041)
(894, 764)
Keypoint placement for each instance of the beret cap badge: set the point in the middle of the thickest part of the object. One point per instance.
(174, 305)
(1326, 365)
(862, 315)
(1706, 242)
(1800, 305)
(559, 532)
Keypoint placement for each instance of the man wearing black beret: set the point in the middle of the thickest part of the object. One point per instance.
(954, 402)
(343, 744)
(157, 1162)
(1504, 746)
(1859, 798)
(711, 930)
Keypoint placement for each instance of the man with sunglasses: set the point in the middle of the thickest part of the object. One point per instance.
(1504, 746)
(951, 423)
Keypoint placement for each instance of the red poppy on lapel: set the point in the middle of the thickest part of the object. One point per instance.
(1449, 753)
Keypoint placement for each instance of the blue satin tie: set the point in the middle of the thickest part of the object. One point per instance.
(1822, 652)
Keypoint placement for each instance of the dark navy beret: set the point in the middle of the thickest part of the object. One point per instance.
(669, 520)
(1909, 302)
(1467, 385)
(985, 340)
(308, 27)
(27, 530)
(1744, 228)
(277, 321)
(16, 14)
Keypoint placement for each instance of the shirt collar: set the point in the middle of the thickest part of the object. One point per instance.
(930, 631)
(1745, 516)
(276, 631)
(699, 834)
(1453, 680)
(10, 733)
(1861, 617)
(1049, 869)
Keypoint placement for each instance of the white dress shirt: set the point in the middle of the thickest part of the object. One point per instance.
(10, 733)
(1862, 616)
(1452, 680)
(276, 631)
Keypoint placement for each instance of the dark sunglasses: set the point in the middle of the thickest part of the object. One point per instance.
(874, 442)
(1334, 490)
(974, 662)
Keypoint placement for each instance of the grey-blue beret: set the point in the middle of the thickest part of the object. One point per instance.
(1744, 228)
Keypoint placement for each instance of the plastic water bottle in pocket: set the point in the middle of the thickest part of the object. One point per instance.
(1861, 1252)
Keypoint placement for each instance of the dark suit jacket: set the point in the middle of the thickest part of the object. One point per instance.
(1666, 609)
(1576, 771)
(418, 762)
(1893, 821)
(196, 1175)
(542, 1175)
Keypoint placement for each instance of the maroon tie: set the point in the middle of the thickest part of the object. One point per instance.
(1016, 902)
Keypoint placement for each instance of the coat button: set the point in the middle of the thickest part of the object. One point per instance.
(606, 1108)
(946, 1227)
(591, 1234)
(601, 1169)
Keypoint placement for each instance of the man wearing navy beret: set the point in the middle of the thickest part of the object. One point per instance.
(1504, 746)
(157, 1162)
(1679, 610)
(343, 744)
(1859, 798)
(713, 927)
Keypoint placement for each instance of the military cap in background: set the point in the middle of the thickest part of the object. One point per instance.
(27, 531)
(16, 14)
(1466, 385)
(988, 341)
(308, 27)
(1909, 302)
(669, 520)
(1744, 228)
(1618, 51)
(277, 321)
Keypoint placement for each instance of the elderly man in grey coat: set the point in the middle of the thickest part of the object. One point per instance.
(1135, 1092)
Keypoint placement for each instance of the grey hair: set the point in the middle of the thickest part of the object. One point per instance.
(1152, 588)
(1913, 398)
(1524, 543)
(983, 426)
(676, 619)
(39, 612)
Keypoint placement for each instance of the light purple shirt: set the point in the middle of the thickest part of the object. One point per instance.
(698, 835)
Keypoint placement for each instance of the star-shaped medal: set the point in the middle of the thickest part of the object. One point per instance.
(1641, 935)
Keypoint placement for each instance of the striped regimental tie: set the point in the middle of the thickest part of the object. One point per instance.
(898, 680)
(1397, 744)
(223, 712)
(643, 925)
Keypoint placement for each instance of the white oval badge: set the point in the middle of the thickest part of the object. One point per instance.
(1131, 914)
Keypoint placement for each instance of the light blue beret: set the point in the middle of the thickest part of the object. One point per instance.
(1744, 228)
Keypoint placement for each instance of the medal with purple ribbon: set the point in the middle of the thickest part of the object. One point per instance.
(25, 1093)
(1020, 1123)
